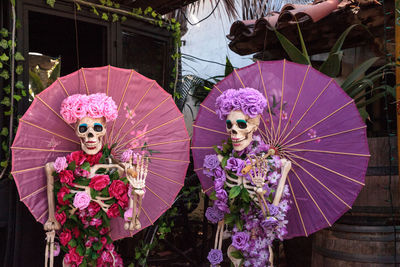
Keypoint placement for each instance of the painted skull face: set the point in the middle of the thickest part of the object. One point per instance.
(241, 129)
(91, 131)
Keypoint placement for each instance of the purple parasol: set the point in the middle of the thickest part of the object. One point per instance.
(148, 119)
(311, 121)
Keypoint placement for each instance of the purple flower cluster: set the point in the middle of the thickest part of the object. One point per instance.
(215, 256)
(214, 214)
(250, 101)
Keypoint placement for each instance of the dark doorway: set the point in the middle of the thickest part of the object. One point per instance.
(55, 36)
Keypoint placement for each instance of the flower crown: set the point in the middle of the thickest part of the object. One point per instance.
(76, 107)
(250, 101)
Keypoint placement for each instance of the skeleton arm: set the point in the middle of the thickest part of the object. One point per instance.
(286, 166)
(52, 223)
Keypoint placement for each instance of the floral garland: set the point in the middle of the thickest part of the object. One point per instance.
(85, 225)
(252, 232)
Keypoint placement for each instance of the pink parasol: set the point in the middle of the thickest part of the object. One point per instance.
(311, 121)
(148, 119)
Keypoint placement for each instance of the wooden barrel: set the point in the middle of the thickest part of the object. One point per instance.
(367, 235)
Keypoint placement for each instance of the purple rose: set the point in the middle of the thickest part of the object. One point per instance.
(81, 200)
(211, 162)
(234, 164)
(215, 256)
(221, 205)
(269, 223)
(218, 184)
(214, 215)
(253, 102)
(219, 173)
(221, 195)
(60, 164)
(240, 240)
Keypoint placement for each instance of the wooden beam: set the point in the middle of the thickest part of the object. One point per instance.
(397, 50)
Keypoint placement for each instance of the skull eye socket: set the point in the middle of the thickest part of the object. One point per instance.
(228, 124)
(98, 127)
(242, 124)
(82, 128)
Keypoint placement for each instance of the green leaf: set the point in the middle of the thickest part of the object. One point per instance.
(213, 195)
(19, 69)
(235, 191)
(19, 85)
(72, 243)
(363, 113)
(18, 56)
(7, 89)
(357, 72)
(97, 246)
(228, 67)
(5, 75)
(4, 32)
(237, 254)
(104, 16)
(4, 164)
(153, 14)
(72, 166)
(85, 166)
(3, 44)
(23, 92)
(4, 57)
(115, 17)
(123, 18)
(51, 2)
(94, 10)
(371, 100)
(244, 194)
(303, 45)
(1, 65)
(93, 193)
(339, 42)
(332, 64)
(224, 161)
(101, 171)
(4, 131)
(293, 52)
(216, 149)
(6, 101)
(78, 7)
(17, 97)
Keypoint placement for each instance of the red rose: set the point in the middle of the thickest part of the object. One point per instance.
(123, 201)
(60, 196)
(117, 189)
(61, 217)
(113, 211)
(75, 232)
(99, 182)
(67, 177)
(104, 230)
(94, 159)
(77, 156)
(72, 257)
(93, 208)
(65, 237)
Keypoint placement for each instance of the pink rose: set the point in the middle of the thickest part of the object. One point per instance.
(72, 257)
(81, 200)
(60, 164)
(110, 110)
(60, 195)
(113, 211)
(126, 156)
(95, 222)
(73, 108)
(117, 189)
(81, 172)
(61, 217)
(104, 230)
(95, 105)
(128, 215)
(99, 182)
(77, 156)
(65, 237)
(93, 208)
(67, 177)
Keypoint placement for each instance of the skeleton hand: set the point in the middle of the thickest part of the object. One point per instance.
(258, 173)
(139, 182)
(52, 224)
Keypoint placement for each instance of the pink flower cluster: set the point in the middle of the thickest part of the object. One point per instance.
(76, 107)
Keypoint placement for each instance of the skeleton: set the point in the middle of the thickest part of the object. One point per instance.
(241, 128)
(91, 132)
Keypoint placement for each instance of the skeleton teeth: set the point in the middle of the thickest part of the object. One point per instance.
(238, 140)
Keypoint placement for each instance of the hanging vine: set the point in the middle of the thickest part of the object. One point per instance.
(109, 10)
(13, 89)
